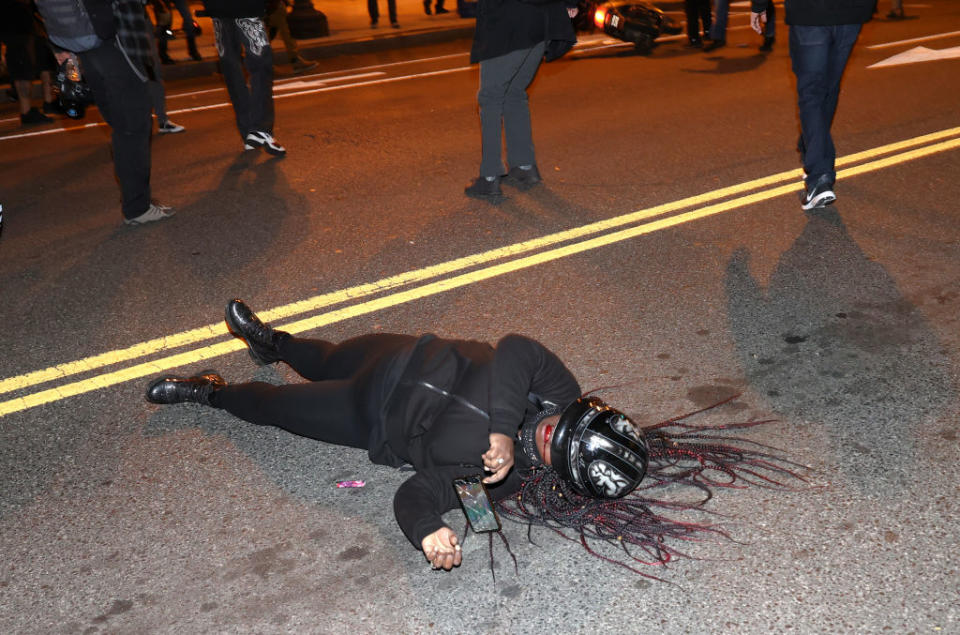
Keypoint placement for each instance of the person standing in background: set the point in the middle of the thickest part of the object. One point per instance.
(822, 36)
(241, 35)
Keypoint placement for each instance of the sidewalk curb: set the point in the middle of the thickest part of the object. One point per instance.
(319, 49)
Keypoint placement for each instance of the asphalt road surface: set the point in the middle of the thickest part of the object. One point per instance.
(666, 254)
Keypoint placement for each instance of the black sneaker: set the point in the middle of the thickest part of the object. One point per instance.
(523, 178)
(767, 45)
(484, 188)
(259, 139)
(53, 108)
(34, 117)
(713, 45)
(818, 195)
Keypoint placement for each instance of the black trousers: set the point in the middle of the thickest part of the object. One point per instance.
(124, 102)
(697, 11)
(340, 404)
(244, 42)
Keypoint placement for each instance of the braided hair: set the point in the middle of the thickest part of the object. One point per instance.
(643, 527)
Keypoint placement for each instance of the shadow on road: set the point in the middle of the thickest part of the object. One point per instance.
(832, 342)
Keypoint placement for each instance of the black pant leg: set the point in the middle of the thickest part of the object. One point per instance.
(230, 52)
(319, 360)
(330, 411)
(258, 58)
(124, 102)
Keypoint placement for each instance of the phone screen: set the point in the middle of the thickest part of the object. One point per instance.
(476, 503)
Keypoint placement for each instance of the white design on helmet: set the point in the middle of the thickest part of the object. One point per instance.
(625, 427)
(607, 478)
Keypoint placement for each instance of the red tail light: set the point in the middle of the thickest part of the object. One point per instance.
(600, 17)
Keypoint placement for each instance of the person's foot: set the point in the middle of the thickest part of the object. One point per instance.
(395, 25)
(767, 45)
(259, 139)
(373, 24)
(301, 65)
(440, 10)
(154, 213)
(713, 45)
(426, 6)
(263, 341)
(896, 14)
(694, 43)
(166, 59)
(168, 127)
(53, 108)
(523, 176)
(484, 188)
(819, 194)
(34, 117)
(197, 389)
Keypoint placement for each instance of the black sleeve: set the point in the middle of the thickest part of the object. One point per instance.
(520, 366)
(423, 498)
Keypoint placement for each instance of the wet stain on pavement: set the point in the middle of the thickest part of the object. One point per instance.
(353, 553)
(794, 339)
(263, 563)
(512, 591)
(206, 607)
(708, 395)
(949, 435)
(117, 608)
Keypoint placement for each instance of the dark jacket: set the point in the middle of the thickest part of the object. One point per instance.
(100, 12)
(443, 436)
(822, 12)
(504, 26)
(235, 8)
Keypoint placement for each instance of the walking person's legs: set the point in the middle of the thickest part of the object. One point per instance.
(516, 111)
(230, 51)
(124, 102)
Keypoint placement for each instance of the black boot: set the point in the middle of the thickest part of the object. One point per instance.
(264, 342)
(192, 48)
(198, 389)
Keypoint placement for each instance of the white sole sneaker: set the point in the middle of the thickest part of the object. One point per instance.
(258, 139)
(154, 213)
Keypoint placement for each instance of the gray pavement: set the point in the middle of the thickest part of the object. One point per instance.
(842, 325)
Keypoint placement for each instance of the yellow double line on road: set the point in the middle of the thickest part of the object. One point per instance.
(480, 266)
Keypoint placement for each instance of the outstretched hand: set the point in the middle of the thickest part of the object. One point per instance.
(499, 458)
(442, 549)
(758, 21)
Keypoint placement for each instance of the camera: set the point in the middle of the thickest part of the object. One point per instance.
(73, 91)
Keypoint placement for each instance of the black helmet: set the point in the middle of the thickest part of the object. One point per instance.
(598, 450)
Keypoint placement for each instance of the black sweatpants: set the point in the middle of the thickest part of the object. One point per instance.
(340, 404)
(123, 100)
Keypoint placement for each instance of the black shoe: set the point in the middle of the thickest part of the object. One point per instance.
(694, 43)
(426, 6)
(53, 108)
(819, 194)
(264, 342)
(198, 389)
(440, 10)
(523, 179)
(767, 45)
(34, 117)
(714, 45)
(166, 59)
(484, 188)
(395, 25)
(192, 49)
(896, 14)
